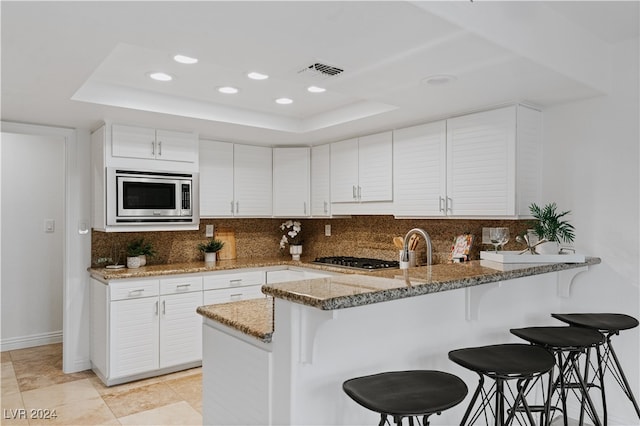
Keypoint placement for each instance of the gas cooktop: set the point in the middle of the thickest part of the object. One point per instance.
(361, 263)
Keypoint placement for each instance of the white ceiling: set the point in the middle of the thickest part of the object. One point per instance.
(75, 64)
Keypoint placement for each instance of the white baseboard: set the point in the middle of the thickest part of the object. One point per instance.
(13, 343)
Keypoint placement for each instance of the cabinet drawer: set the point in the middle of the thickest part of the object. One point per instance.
(180, 285)
(133, 289)
(241, 279)
(225, 295)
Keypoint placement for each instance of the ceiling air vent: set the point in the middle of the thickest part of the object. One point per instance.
(320, 70)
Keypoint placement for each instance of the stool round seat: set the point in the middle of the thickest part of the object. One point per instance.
(599, 321)
(560, 337)
(505, 359)
(407, 393)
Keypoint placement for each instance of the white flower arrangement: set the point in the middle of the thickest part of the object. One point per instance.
(292, 234)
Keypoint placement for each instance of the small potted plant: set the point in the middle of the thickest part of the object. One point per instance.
(550, 226)
(134, 251)
(292, 237)
(210, 248)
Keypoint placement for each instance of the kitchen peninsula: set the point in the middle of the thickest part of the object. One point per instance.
(282, 360)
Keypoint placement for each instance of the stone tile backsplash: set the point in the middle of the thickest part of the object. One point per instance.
(362, 236)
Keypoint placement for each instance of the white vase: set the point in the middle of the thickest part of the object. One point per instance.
(143, 259)
(133, 262)
(210, 257)
(549, 247)
(296, 251)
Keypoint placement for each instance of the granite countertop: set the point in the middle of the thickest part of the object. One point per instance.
(253, 317)
(346, 291)
(192, 268)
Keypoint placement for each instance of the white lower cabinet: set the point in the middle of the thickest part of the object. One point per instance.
(231, 287)
(180, 334)
(133, 336)
(143, 328)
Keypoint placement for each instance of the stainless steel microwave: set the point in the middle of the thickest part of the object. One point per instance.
(150, 197)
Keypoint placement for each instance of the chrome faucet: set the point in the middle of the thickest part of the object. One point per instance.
(404, 261)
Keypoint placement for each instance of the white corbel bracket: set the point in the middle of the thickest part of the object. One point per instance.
(472, 296)
(311, 320)
(565, 280)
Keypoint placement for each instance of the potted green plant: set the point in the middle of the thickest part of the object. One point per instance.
(134, 251)
(551, 228)
(210, 248)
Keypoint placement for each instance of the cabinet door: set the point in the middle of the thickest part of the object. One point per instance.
(419, 170)
(344, 171)
(252, 180)
(180, 329)
(375, 167)
(320, 181)
(176, 146)
(216, 179)
(291, 182)
(481, 163)
(133, 142)
(134, 336)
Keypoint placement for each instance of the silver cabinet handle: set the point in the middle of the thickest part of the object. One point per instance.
(237, 207)
(449, 204)
(236, 282)
(164, 307)
(184, 285)
(355, 195)
(156, 307)
(160, 148)
(305, 207)
(136, 292)
(441, 204)
(236, 296)
(153, 148)
(326, 207)
(359, 192)
(231, 206)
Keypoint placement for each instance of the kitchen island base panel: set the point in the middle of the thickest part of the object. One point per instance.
(411, 333)
(146, 375)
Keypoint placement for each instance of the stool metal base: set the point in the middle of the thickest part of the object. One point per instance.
(610, 325)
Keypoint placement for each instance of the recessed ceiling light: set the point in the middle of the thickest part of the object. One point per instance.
(185, 59)
(284, 101)
(160, 76)
(257, 76)
(439, 80)
(229, 90)
(316, 89)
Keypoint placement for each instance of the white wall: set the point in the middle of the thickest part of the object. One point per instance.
(32, 261)
(591, 160)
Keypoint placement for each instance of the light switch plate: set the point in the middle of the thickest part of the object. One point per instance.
(208, 231)
(49, 226)
(327, 230)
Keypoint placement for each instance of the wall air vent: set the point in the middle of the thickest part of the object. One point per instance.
(320, 71)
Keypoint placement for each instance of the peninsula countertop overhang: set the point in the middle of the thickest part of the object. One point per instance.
(347, 291)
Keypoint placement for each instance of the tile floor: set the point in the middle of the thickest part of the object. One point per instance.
(33, 382)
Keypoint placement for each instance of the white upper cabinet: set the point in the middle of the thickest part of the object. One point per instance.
(362, 169)
(320, 181)
(419, 164)
(291, 182)
(344, 171)
(235, 180)
(252, 177)
(485, 164)
(152, 144)
(216, 179)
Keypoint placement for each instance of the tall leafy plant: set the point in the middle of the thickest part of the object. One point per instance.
(549, 223)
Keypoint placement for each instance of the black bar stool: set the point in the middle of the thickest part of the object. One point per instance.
(503, 363)
(567, 344)
(399, 394)
(610, 325)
